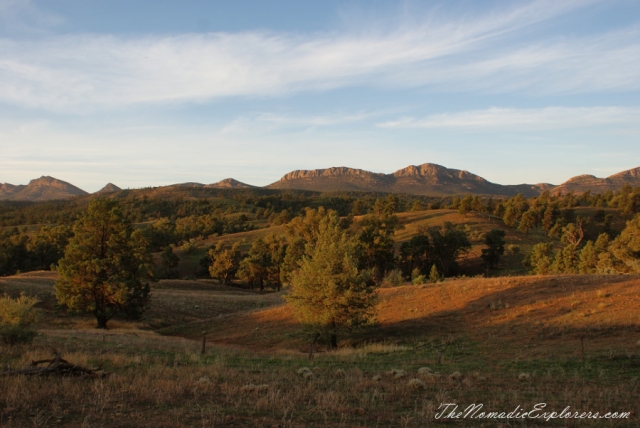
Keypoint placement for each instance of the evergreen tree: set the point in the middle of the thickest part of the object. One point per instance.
(528, 221)
(510, 216)
(447, 244)
(169, 261)
(566, 260)
(626, 247)
(375, 239)
(328, 293)
(588, 259)
(549, 217)
(254, 268)
(415, 254)
(465, 205)
(226, 262)
(106, 266)
(540, 258)
(434, 275)
(495, 248)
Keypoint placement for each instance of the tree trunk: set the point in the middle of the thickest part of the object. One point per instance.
(334, 336)
(102, 321)
(313, 342)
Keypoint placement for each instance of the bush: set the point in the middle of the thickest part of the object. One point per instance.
(434, 275)
(513, 249)
(420, 279)
(17, 317)
(189, 246)
(394, 278)
(12, 335)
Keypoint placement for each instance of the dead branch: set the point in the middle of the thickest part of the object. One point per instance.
(57, 366)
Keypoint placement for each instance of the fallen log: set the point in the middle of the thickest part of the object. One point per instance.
(57, 366)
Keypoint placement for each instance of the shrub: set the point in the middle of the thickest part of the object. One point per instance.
(416, 384)
(420, 279)
(434, 275)
(17, 317)
(189, 246)
(513, 249)
(397, 373)
(424, 370)
(394, 278)
(304, 370)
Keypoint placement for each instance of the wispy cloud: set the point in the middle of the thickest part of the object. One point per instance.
(524, 119)
(276, 122)
(84, 71)
(22, 16)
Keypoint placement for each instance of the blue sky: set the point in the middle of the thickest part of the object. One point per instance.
(147, 93)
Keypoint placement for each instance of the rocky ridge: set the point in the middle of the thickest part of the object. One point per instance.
(426, 179)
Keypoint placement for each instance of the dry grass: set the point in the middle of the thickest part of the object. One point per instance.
(155, 383)
(249, 375)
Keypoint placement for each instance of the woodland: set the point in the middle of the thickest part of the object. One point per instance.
(299, 308)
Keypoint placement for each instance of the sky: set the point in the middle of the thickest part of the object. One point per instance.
(156, 92)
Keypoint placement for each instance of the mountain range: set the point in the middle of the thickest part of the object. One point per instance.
(425, 179)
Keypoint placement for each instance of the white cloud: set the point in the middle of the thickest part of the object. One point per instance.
(77, 72)
(524, 119)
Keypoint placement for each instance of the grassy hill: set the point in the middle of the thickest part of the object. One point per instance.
(476, 226)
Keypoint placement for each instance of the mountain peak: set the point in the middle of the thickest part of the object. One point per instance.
(41, 189)
(230, 183)
(633, 174)
(582, 183)
(109, 188)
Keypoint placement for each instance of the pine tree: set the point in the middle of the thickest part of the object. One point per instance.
(169, 261)
(540, 258)
(106, 266)
(495, 248)
(528, 221)
(626, 247)
(328, 292)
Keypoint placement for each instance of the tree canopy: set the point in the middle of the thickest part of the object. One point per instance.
(328, 292)
(106, 266)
